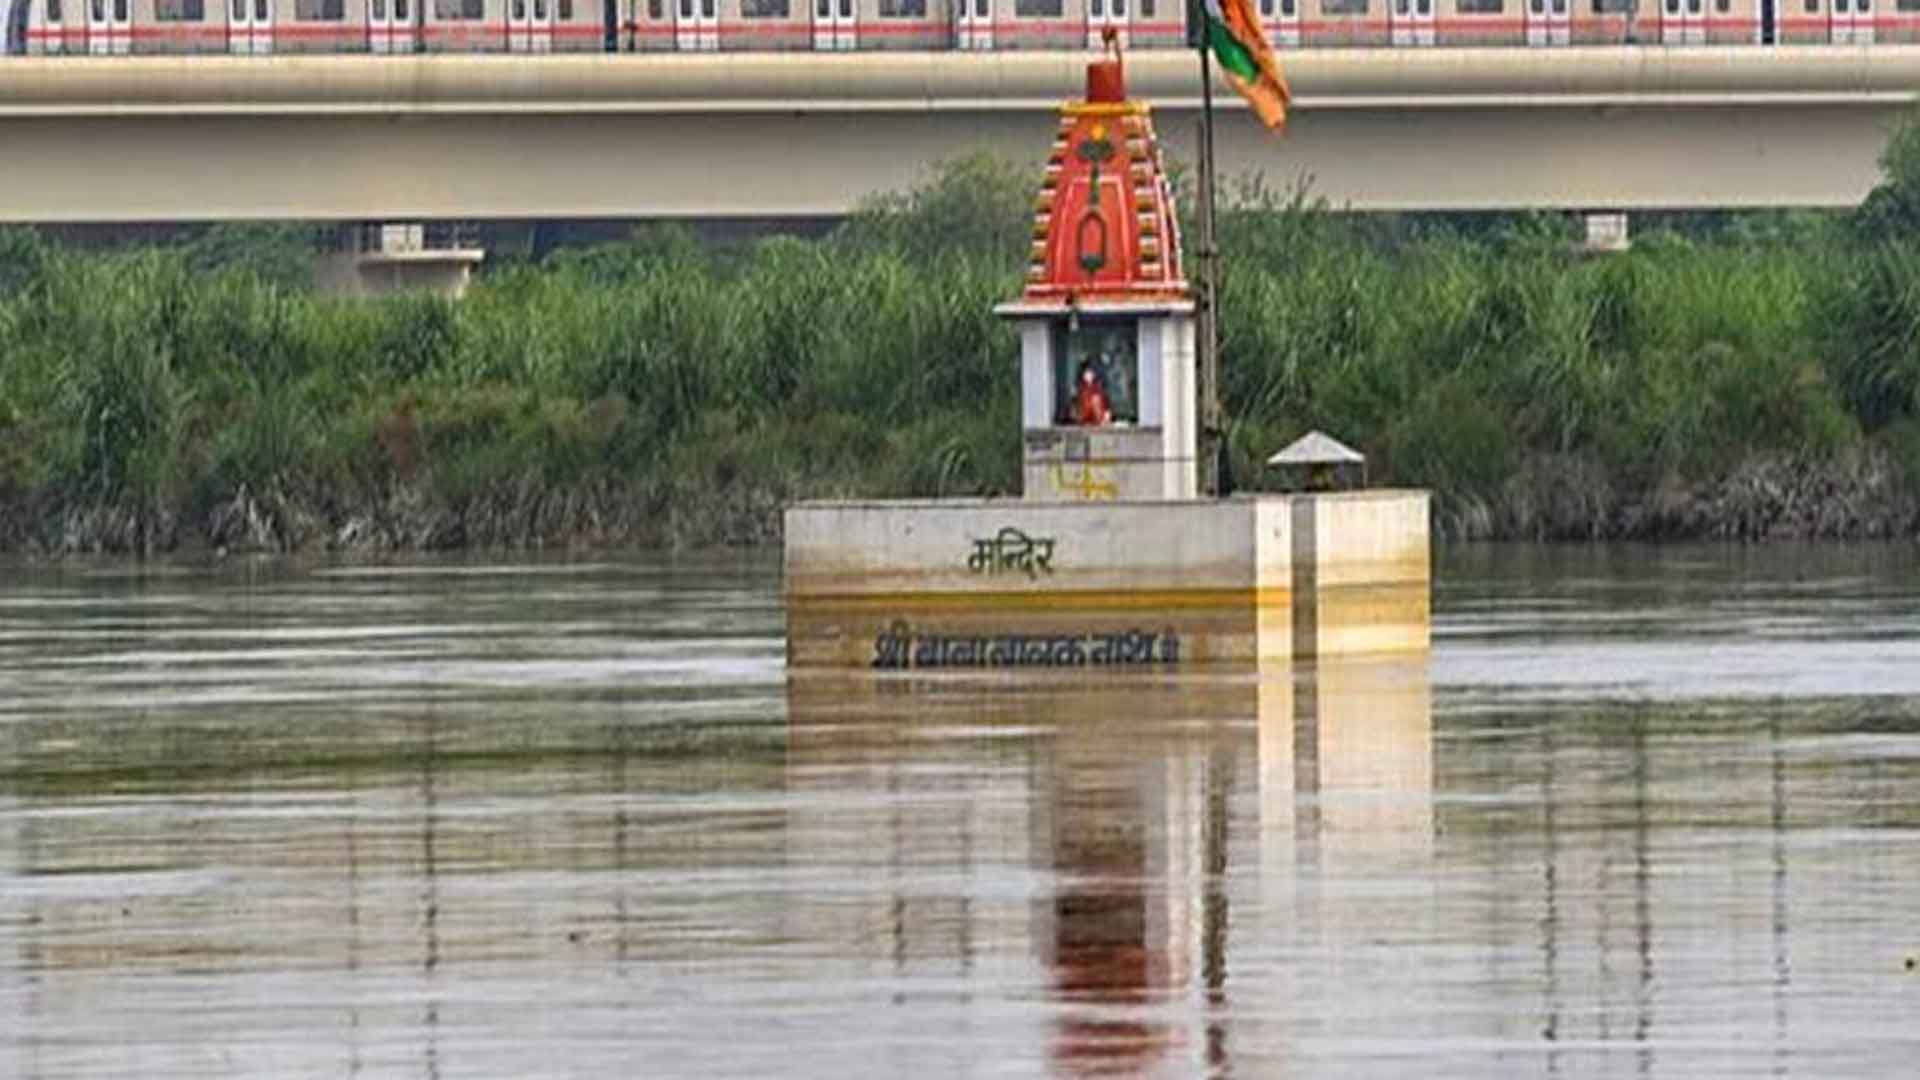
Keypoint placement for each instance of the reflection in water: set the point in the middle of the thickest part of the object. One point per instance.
(1124, 802)
(557, 819)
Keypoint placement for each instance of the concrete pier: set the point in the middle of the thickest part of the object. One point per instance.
(1009, 583)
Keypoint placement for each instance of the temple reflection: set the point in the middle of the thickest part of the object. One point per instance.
(1118, 795)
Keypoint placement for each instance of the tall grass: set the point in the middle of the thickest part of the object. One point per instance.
(1751, 380)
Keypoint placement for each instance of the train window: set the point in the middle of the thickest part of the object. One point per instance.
(1613, 7)
(706, 9)
(119, 10)
(1723, 6)
(163, 10)
(1119, 8)
(519, 9)
(1343, 7)
(1039, 8)
(399, 9)
(1146, 9)
(319, 10)
(259, 11)
(903, 9)
(564, 9)
(656, 10)
(1482, 7)
(1906, 5)
(379, 10)
(1287, 8)
(764, 9)
(453, 10)
(1813, 6)
(239, 10)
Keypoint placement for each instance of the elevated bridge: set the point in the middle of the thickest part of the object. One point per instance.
(767, 135)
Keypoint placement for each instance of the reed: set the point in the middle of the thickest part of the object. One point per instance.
(1746, 377)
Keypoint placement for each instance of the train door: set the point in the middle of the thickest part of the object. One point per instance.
(834, 24)
(1683, 22)
(390, 26)
(1851, 22)
(1281, 19)
(1549, 22)
(1102, 14)
(51, 27)
(974, 27)
(250, 27)
(696, 27)
(529, 26)
(109, 27)
(1411, 22)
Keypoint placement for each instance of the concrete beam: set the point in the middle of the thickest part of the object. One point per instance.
(757, 135)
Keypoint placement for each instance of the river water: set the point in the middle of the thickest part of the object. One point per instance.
(1648, 812)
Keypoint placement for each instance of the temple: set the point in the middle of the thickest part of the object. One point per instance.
(1109, 557)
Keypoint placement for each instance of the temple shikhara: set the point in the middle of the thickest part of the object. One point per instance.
(1109, 556)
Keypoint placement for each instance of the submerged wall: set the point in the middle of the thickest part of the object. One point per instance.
(1005, 583)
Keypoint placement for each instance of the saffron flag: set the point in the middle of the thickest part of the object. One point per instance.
(1233, 33)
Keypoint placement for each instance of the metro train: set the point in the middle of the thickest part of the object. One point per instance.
(256, 27)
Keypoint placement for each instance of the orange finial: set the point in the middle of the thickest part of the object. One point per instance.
(1107, 79)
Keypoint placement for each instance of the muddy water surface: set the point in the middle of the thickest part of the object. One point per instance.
(1642, 812)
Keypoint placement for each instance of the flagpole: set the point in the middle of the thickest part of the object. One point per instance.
(1207, 343)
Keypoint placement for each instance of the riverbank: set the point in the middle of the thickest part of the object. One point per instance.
(1752, 380)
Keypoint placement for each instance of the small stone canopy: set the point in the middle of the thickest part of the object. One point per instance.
(1326, 462)
(1318, 448)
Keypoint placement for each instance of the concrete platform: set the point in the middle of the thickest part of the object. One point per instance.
(996, 583)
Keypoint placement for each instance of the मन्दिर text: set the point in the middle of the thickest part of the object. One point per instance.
(1011, 549)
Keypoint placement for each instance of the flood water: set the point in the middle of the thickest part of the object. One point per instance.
(1647, 812)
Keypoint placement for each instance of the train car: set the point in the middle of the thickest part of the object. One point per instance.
(261, 27)
(512, 26)
(869, 25)
(1537, 23)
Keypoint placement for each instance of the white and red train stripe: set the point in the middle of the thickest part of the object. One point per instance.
(113, 27)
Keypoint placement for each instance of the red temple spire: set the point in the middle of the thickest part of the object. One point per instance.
(1104, 229)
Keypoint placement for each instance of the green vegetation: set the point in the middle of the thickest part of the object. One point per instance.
(1752, 380)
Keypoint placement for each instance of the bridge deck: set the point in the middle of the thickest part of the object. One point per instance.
(350, 137)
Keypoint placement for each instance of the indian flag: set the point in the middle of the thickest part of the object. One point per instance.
(1233, 33)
